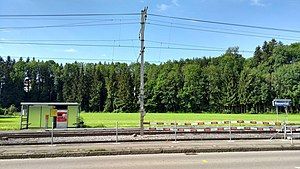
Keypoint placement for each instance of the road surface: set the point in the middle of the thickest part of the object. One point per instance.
(233, 160)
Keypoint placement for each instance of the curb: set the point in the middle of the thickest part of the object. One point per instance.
(102, 152)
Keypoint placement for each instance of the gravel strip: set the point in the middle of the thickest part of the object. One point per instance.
(128, 138)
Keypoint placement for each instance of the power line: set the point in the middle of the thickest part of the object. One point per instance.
(235, 30)
(181, 44)
(83, 59)
(196, 49)
(222, 32)
(110, 40)
(64, 25)
(120, 46)
(66, 40)
(68, 19)
(68, 24)
(65, 44)
(226, 23)
(69, 15)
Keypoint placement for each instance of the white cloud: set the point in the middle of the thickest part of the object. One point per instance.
(257, 3)
(162, 7)
(103, 55)
(71, 50)
(5, 30)
(175, 2)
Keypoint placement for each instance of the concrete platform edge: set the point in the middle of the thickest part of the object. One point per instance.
(103, 152)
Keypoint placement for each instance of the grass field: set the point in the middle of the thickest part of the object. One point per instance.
(132, 119)
(9, 122)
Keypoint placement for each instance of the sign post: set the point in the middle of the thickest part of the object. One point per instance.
(53, 113)
(175, 132)
(291, 128)
(230, 134)
(277, 113)
(117, 131)
(52, 132)
(283, 103)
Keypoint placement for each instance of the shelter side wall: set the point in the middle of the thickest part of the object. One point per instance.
(34, 118)
(72, 116)
(46, 120)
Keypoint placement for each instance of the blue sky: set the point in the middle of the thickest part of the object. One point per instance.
(125, 29)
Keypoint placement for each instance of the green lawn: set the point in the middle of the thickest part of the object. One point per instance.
(9, 122)
(132, 119)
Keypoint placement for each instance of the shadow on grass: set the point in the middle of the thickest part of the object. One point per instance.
(7, 121)
(95, 126)
(7, 117)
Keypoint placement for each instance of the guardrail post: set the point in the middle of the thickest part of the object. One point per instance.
(291, 128)
(284, 136)
(117, 126)
(52, 132)
(230, 139)
(175, 131)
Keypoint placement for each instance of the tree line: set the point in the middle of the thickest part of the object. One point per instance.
(227, 83)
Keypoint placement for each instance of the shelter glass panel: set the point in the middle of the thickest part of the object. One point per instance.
(46, 121)
(34, 117)
(72, 116)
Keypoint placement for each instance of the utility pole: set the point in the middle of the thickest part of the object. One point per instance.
(142, 31)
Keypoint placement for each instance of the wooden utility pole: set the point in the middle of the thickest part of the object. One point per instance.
(142, 31)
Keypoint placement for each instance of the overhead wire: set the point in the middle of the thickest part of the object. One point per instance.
(224, 28)
(65, 25)
(195, 49)
(67, 15)
(150, 14)
(116, 46)
(182, 44)
(67, 19)
(160, 23)
(85, 59)
(64, 44)
(225, 23)
(67, 40)
(222, 32)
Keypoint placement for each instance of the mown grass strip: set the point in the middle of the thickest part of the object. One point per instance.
(132, 119)
(109, 120)
(9, 122)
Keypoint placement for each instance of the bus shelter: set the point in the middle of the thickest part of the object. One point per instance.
(44, 115)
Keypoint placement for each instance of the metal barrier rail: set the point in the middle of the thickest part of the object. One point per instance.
(221, 129)
(202, 123)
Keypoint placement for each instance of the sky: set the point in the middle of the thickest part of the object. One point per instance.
(116, 37)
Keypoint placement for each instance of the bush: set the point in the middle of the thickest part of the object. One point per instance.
(252, 111)
(80, 123)
(11, 110)
(2, 111)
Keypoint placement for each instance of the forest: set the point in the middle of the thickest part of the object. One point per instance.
(226, 83)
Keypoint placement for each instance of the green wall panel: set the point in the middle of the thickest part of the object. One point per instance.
(72, 116)
(34, 117)
(46, 111)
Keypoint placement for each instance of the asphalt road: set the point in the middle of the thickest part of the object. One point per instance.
(233, 160)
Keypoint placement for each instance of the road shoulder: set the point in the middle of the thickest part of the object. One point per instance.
(126, 148)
